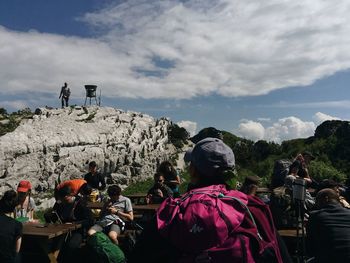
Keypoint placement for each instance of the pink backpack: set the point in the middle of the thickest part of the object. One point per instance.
(218, 222)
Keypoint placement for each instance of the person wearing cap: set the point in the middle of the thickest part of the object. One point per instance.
(211, 164)
(328, 229)
(26, 204)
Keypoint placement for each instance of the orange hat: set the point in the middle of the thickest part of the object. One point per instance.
(24, 186)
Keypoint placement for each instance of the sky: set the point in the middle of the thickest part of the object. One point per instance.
(270, 70)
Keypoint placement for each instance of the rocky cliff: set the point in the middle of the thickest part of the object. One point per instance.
(58, 144)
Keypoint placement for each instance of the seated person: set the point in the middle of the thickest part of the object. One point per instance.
(329, 183)
(77, 186)
(70, 209)
(328, 229)
(115, 211)
(10, 230)
(94, 179)
(172, 179)
(26, 205)
(250, 185)
(159, 191)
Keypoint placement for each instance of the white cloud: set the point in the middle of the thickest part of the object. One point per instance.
(284, 129)
(251, 130)
(190, 126)
(289, 128)
(232, 48)
(320, 117)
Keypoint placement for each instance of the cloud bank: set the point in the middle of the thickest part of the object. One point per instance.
(284, 129)
(183, 49)
(190, 126)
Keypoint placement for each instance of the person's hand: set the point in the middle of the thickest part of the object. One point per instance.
(113, 210)
(148, 199)
(160, 193)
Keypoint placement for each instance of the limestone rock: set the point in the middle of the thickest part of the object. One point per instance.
(58, 144)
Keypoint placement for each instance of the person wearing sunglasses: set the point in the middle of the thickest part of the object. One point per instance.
(159, 190)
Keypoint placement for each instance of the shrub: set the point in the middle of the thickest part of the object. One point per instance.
(320, 170)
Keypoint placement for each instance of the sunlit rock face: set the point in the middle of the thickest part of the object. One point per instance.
(58, 144)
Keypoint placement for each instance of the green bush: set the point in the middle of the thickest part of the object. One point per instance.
(320, 170)
(177, 135)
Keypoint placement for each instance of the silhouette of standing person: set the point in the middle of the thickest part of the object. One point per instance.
(64, 95)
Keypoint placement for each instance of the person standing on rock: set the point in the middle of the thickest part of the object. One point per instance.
(64, 95)
(93, 178)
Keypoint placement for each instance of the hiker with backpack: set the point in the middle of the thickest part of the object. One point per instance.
(282, 203)
(210, 223)
(282, 168)
(115, 212)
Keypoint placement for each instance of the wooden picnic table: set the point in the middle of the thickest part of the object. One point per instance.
(138, 198)
(38, 238)
(146, 208)
(263, 190)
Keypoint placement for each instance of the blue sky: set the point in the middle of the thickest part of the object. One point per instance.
(269, 71)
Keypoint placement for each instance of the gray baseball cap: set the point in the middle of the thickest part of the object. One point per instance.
(211, 156)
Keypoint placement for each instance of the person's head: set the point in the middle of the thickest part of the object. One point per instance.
(65, 84)
(65, 194)
(308, 157)
(167, 170)
(250, 184)
(295, 167)
(92, 167)
(24, 188)
(211, 160)
(329, 183)
(326, 196)
(158, 179)
(9, 201)
(85, 190)
(114, 192)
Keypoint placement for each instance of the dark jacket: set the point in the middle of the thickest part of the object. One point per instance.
(328, 234)
(75, 212)
(96, 181)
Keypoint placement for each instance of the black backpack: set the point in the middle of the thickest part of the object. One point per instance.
(280, 171)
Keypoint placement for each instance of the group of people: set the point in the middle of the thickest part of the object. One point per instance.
(209, 223)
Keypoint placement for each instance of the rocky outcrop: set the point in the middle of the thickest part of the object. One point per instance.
(58, 144)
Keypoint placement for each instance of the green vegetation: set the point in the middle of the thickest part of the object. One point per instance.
(177, 135)
(9, 122)
(139, 187)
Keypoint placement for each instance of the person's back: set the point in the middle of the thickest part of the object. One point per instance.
(209, 222)
(74, 184)
(328, 230)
